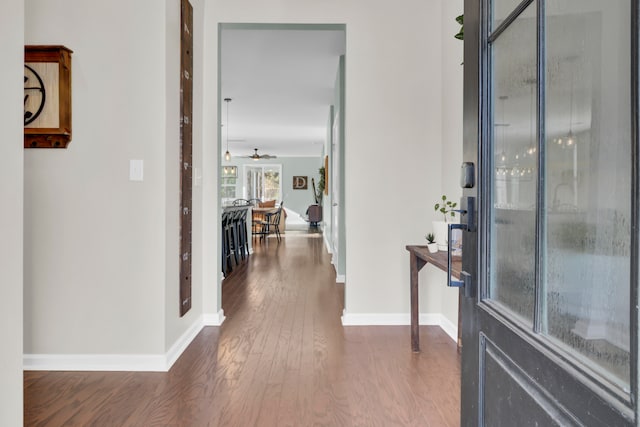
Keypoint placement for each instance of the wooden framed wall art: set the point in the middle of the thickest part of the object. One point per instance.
(186, 153)
(326, 175)
(300, 182)
(47, 96)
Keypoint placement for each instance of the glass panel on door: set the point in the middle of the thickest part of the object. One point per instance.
(552, 338)
(588, 183)
(513, 219)
(501, 9)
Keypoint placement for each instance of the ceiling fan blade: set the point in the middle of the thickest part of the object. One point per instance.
(256, 156)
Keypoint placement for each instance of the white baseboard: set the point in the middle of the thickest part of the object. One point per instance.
(122, 362)
(213, 319)
(340, 278)
(163, 362)
(182, 343)
(326, 243)
(95, 362)
(400, 319)
(448, 327)
(376, 319)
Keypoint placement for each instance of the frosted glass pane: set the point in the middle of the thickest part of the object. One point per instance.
(513, 218)
(500, 9)
(588, 183)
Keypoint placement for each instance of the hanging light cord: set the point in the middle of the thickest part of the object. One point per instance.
(227, 123)
(503, 153)
(571, 110)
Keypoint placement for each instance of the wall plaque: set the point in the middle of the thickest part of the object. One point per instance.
(300, 182)
(47, 96)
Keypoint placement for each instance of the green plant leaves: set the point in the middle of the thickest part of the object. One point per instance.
(460, 20)
(447, 207)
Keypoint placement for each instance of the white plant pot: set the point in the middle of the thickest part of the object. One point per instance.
(440, 232)
(433, 247)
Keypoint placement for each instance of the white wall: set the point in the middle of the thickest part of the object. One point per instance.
(98, 247)
(172, 178)
(452, 95)
(11, 223)
(96, 244)
(393, 105)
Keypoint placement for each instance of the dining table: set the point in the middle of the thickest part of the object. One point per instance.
(258, 215)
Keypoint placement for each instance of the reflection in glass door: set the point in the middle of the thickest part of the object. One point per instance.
(514, 176)
(580, 235)
(588, 185)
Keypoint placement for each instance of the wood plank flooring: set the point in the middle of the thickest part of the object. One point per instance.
(281, 358)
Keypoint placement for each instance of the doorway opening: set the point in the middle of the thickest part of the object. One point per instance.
(281, 132)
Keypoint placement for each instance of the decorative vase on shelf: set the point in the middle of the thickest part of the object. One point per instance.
(440, 231)
(440, 228)
(431, 243)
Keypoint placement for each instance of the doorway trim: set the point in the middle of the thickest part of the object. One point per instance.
(342, 68)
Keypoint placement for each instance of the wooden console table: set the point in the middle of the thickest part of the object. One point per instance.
(419, 256)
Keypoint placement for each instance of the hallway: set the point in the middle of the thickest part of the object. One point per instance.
(281, 358)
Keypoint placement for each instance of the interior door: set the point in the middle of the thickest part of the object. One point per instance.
(335, 188)
(550, 316)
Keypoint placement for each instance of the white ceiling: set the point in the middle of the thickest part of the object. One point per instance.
(281, 83)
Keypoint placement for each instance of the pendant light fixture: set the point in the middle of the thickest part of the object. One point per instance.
(227, 155)
(533, 143)
(570, 140)
(503, 154)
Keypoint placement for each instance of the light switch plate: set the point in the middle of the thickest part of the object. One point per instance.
(136, 170)
(197, 177)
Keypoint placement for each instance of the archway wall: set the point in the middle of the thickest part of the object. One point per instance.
(393, 135)
(11, 221)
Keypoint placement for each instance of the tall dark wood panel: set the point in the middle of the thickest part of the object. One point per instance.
(186, 153)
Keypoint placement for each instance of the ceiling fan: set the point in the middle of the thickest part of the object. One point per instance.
(256, 156)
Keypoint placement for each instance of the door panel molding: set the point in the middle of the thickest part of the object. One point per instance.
(551, 370)
(508, 383)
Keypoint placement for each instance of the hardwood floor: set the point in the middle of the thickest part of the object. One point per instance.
(281, 358)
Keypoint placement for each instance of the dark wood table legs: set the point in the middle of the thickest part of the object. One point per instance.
(416, 265)
(419, 256)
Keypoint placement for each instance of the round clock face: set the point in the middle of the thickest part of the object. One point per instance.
(34, 95)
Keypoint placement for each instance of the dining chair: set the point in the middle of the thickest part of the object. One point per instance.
(271, 223)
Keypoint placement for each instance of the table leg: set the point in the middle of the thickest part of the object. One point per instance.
(415, 333)
(460, 320)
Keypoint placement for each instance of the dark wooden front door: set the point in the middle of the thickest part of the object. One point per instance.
(550, 320)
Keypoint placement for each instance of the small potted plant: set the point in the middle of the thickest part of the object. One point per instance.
(460, 20)
(447, 209)
(431, 243)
